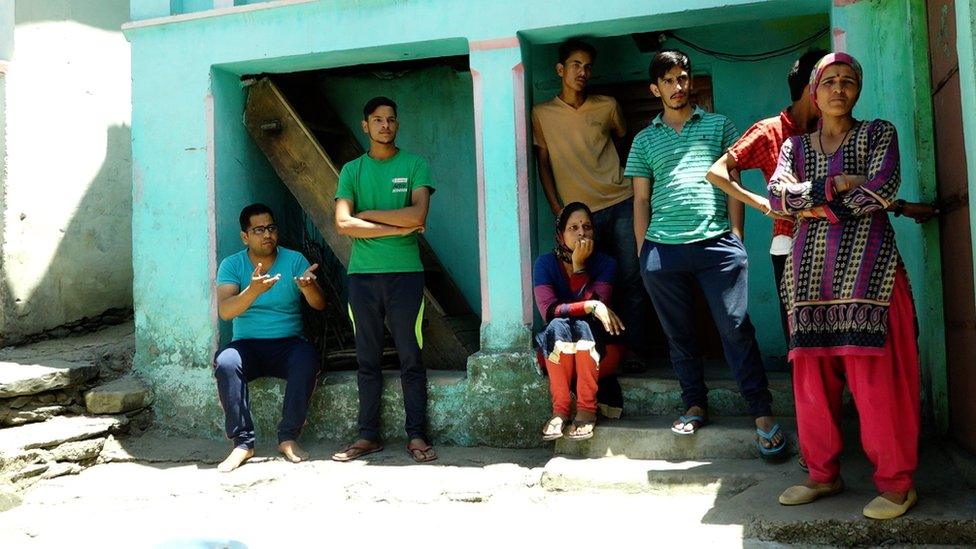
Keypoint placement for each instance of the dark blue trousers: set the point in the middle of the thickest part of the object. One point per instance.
(291, 358)
(614, 231)
(720, 266)
(398, 298)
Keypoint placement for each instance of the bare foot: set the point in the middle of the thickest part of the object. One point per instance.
(292, 451)
(236, 458)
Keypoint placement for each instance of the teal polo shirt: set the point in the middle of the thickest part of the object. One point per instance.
(275, 313)
(685, 207)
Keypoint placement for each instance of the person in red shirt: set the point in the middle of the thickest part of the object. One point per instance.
(758, 148)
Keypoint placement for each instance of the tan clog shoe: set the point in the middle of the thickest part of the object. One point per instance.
(881, 508)
(800, 494)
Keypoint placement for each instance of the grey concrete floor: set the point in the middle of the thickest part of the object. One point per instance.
(165, 492)
(469, 497)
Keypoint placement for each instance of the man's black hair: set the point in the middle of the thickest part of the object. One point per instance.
(665, 61)
(250, 211)
(376, 103)
(799, 76)
(575, 44)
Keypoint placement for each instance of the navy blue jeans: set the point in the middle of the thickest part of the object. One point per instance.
(399, 298)
(613, 229)
(720, 266)
(290, 358)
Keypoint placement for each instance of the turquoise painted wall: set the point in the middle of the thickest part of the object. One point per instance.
(762, 83)
(436, 122)
(891, 42)
(181, 224)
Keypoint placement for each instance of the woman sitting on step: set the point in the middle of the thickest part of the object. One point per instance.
(572, 286)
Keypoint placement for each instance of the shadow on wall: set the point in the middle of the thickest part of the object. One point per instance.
(108, 15)
(90, 272)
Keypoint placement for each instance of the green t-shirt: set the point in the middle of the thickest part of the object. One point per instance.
(685, 207)
(384, 185)
(275, 313)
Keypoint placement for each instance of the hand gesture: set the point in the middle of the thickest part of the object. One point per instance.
(611, 323)
(582, 251)
(419, 229)
(307, 278)
(261, 283)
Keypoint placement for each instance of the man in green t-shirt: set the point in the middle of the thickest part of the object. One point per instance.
(381, 203)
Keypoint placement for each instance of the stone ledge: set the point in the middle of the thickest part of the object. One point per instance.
(18, 379)
(115, 397)
(55, 432)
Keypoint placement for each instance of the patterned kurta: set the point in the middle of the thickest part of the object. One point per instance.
(840, 276)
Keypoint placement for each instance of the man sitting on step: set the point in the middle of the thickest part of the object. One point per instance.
(267, 340)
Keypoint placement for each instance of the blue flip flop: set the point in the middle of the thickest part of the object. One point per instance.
(774, 452)
(688, 419)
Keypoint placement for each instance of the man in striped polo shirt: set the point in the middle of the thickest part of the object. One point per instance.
(691, 232)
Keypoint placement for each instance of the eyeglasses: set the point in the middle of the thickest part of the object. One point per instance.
(260, 229)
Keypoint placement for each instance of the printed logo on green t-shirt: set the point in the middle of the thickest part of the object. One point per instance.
(400, 184)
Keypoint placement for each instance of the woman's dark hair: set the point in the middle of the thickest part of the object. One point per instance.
(665, 61)
(568, 210)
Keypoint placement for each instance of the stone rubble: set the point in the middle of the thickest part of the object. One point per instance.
(60, 400)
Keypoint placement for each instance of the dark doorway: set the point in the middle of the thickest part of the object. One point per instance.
(953, 193)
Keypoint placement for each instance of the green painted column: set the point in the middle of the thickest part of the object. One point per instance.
(966, 50)
(503, 209)
(890, 39)
(503, 375)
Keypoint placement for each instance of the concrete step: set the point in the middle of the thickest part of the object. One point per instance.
(28, 378)
(657, 392)
(725, 477)
(651, 438)
(332, 415)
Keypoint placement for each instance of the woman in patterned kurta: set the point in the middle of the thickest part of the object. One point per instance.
(851, 316)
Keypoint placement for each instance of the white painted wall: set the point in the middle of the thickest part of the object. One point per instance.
(66, 248)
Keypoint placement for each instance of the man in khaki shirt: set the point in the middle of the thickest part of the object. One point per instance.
(573, 136)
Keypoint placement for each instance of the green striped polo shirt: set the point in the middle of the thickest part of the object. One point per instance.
(685, 207)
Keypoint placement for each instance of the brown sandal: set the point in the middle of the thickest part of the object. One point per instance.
(422, 455)
(351, 452)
